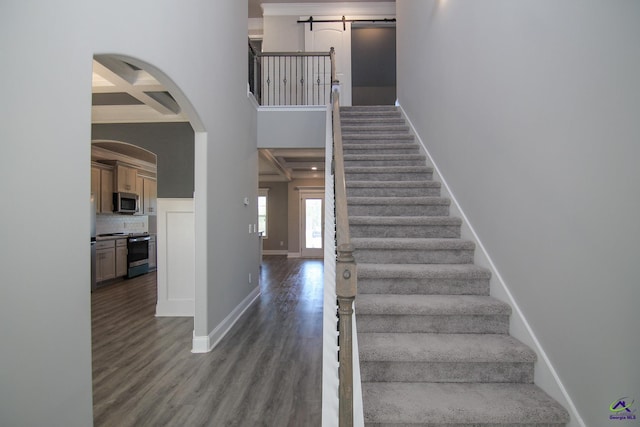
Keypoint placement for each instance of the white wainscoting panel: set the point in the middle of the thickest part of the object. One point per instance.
(176, 258)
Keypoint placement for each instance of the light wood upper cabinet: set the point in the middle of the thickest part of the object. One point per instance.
(150, 196)
(126, 179)
(106, 191)
(102, 188)
(95, 186)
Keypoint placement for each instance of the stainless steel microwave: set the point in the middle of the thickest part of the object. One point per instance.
(126, 203)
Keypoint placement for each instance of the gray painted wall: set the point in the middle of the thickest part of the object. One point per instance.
(530, 109)
(373, 65)
(292, 127)
(173, 143)
(45, 350)
(277, 216)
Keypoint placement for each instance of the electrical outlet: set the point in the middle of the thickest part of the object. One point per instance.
(249, 277)
(281, 243)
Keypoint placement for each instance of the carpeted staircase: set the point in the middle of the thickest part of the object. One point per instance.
(434, 346)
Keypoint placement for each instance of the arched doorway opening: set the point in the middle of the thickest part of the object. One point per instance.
(134, 101)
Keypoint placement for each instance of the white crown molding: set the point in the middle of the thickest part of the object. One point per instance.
(321, 9)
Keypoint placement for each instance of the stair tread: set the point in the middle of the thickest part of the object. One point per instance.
(399, 136)
(348, 157)
(393, 184)
(430, 305)
(382, 169)
(412, 200)
(451, 348)
(459, 403)
(381, 146)
(425, 243)
(404, 220)
(416, 271)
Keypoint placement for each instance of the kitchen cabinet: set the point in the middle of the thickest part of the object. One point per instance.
(153, 253)
(95, 186)
(102, 188)
(121, 258)
(111, 259)
(106, 191)
(150, 196)
(105, 260)
(126, 178)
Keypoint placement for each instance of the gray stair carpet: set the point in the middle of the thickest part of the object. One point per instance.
(434, 346)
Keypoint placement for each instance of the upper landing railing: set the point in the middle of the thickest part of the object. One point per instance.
(290, 78)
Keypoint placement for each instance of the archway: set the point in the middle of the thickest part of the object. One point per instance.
(147, 95)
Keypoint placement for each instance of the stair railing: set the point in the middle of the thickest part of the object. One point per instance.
(346, 270)
(290, 78)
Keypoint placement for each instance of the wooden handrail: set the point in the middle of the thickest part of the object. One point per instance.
(346, 270)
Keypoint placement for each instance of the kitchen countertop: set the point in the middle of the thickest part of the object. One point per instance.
(100, 238)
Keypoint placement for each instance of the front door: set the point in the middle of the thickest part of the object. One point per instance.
(312, 225)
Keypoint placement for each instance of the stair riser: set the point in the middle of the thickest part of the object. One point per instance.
(371, 113)
(445, 324)
(458, 372)
(377, 138)
(355, 149)
(393, 192)
(389, 176)
(381, 121)
(423, 286)
(365, 130)
(409, 256)
(420, 231)
(390, 143)
(384, 163)
(398, 210)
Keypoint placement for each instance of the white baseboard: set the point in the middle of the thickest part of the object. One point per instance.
(204, 344)
(274, 252)
(545, 375)
(294, 255)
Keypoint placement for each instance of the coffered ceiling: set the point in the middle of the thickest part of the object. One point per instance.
(123, 93)
(288, 164)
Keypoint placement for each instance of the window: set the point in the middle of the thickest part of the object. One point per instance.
(262, 211)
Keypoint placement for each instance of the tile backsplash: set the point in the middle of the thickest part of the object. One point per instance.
(122, 224)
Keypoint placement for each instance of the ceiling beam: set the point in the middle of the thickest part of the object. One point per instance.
(269, 158)
(124, 79)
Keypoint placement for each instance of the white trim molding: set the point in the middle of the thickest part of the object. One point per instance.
(545, 375)
(274, 252)
(176, 258)
(204, 344)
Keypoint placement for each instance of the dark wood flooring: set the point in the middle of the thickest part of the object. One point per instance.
(265, 372)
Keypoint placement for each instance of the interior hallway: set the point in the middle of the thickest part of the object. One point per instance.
(265, 372)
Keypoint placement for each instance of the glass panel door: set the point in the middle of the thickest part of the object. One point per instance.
(312, 224)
